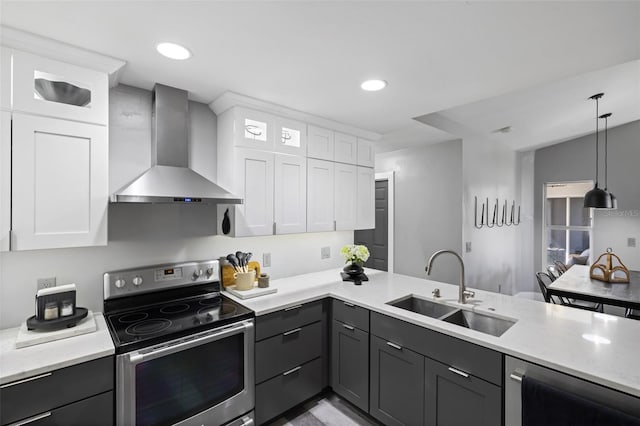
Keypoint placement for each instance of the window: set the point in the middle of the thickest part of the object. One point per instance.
(567, 229)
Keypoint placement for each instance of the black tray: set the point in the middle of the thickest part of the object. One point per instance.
(357, 280)
(59, 323)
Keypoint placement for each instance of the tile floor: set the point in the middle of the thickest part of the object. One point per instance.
(328, 409)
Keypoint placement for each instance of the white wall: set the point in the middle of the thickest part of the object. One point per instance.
(490, 170)
(149, 234)
(428, 186)
(574, 160)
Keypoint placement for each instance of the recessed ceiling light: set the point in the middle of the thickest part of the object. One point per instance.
(173, 51)
(373, 85)
(596, 339)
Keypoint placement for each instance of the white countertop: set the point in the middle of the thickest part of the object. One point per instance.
(546, 334)
(16, 364)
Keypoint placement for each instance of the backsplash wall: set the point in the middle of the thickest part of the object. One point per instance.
(150, 234)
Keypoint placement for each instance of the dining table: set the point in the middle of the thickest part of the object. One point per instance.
(576, 283)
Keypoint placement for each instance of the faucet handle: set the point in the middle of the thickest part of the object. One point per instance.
(436, 292)
(469, 293)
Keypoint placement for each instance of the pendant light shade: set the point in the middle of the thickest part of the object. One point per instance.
(597, 198)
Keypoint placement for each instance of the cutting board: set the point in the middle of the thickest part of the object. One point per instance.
(228, 271)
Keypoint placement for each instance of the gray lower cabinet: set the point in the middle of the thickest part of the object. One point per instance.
(77, 395)
(291, 358)
(454, 398)
(397, 388)
(350, 364)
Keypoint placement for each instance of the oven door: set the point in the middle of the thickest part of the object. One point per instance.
(203, 379)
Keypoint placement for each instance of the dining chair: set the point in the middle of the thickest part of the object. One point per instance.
(632, 313)
(544, 280)
(560, 267)
(552, 274)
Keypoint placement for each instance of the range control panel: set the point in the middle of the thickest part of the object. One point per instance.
(147, 279)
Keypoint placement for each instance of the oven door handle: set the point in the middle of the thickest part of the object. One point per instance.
(188, 342)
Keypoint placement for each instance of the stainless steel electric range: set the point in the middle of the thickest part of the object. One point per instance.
(184, 352)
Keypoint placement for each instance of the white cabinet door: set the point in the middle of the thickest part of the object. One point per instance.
(345, 148)
(253, 129)
(290, 196)
(5, 79)
(366, 204)
(320, 197)
(254, 175)
(366, 154)
(60, 185)
(345, 196)
(290, 137)
(320, 143)
(5, 179)
(57, 89)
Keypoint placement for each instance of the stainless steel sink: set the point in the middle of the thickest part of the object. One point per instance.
(479, 322)
(422, 306)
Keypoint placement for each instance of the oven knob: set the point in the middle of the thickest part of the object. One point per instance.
(137, 280)
(209, 272)
(196, 274)
(209, 317)
(120, 283)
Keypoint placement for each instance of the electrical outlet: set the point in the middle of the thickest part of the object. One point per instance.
(46, 283)
(467, 247)
(631, 242)
(325, 252)
(266, 260)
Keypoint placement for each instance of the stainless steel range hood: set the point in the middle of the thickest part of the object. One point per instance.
(170, 180)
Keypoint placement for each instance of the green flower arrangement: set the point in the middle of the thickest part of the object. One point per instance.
(357, 254)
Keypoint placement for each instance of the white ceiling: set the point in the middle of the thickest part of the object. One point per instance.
(482, 64)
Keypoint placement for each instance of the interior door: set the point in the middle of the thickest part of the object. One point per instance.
(377, 239)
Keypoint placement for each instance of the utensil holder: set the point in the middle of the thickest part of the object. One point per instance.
(244, 280)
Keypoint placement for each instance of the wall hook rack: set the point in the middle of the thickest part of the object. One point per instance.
(507, 217)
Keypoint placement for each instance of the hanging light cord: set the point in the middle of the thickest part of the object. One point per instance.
(606, 152)
(597, 143)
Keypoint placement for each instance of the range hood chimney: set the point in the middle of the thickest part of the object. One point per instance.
(170, 180)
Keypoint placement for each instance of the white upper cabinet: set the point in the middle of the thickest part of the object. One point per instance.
(320, 143)
(290, 196)
(290, 137)
(5, 179)
(57, 89)
(345, 196)
(253, 129)
(5, 79)
(320, 202)
(345, 148)
(366, 202)
(60, 183)
(366, 154)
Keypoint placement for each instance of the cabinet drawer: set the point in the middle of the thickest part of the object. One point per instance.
(287, 350)
(468, 357)
(287, 390)
(39, 394)
(351, 314)
(95, 411)
(288, 319)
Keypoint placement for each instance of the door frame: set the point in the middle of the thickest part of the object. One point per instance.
(390, 178)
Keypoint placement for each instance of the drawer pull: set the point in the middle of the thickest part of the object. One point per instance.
(295, 330)
(33, 419)
(459, 372)
(293, 370)
(247, 422)
(348, 327)
(351, 305)
(291, 308)
(42, 376)
(394, 346)
(516, 376)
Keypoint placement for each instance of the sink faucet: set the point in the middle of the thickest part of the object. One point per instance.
(463, 293)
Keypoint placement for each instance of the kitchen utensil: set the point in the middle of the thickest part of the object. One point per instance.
(240, 255)
(233, 260)
(247, 257)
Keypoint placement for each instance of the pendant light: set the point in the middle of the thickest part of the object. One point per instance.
(597, 198)
(614, 200)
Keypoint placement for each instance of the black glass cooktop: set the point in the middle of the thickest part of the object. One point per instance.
(139, 327)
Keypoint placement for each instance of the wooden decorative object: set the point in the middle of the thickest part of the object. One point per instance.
(228, 271)
(610, 269)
